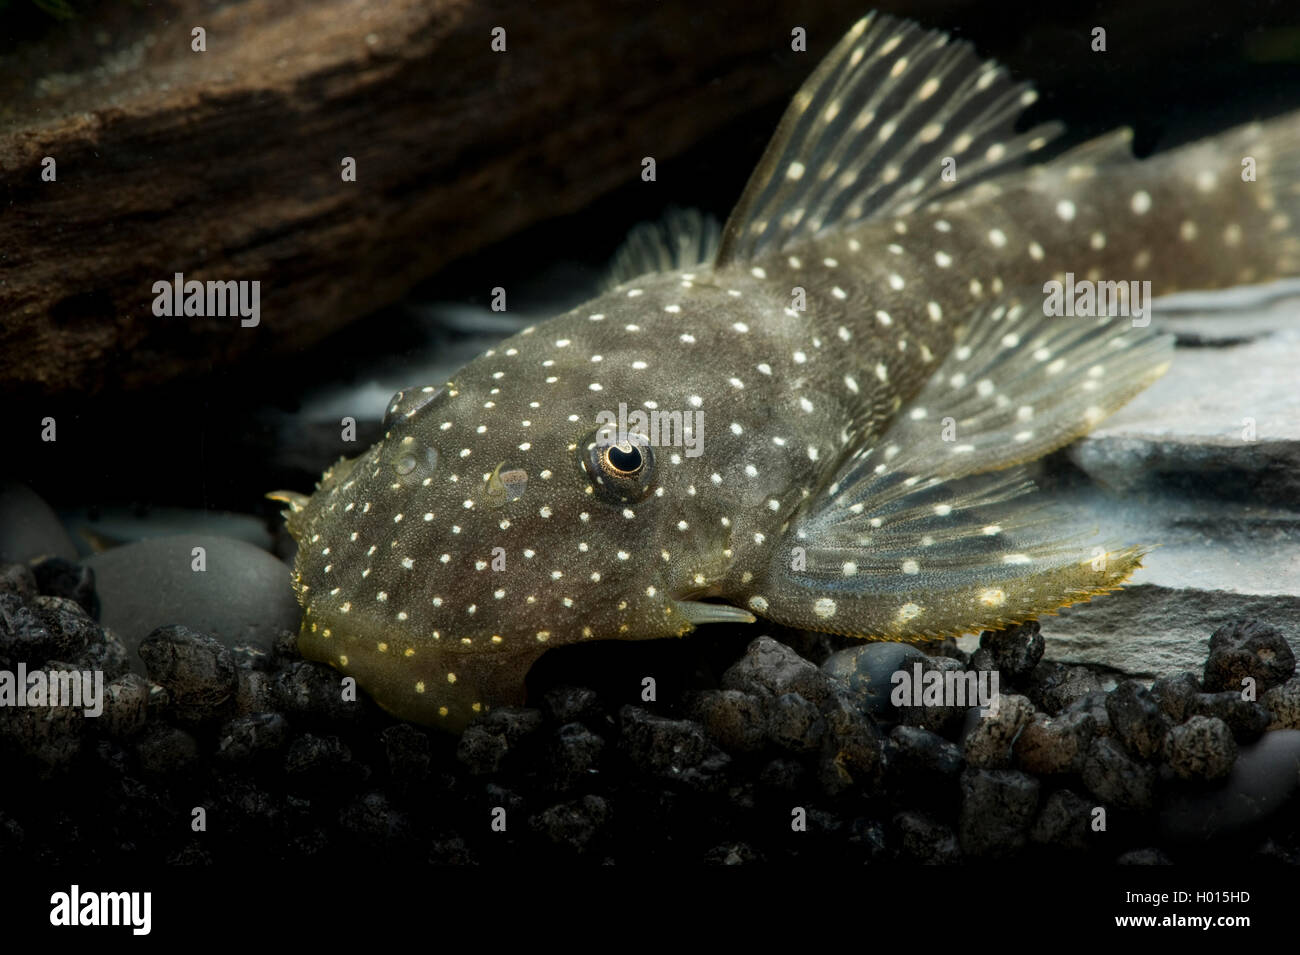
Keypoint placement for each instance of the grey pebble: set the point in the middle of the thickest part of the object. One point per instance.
(244, 596)
(1264, 779)
(659, 745)
(783, 774)
(29, 528)
(311, 758)
(866, 673)
(254, 691)
(1094, 705)
(1248, 648)
(997, 809)
(1201, 748)
(373, 819)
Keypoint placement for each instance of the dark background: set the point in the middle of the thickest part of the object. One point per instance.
(1173, 70)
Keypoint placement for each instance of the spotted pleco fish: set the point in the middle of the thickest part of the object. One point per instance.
(847, 384)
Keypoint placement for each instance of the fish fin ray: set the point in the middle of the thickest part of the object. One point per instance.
(864, 134)
(940, 559)
(681, 239)
(1016, 385)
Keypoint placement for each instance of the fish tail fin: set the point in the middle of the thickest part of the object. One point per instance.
(1242, 189)
(1212, 214)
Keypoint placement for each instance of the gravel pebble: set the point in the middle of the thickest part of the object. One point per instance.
(735, 719)
(1058, 744)
(771, 669)
(1283, 705)
(574, 825)
(406, 750)
(57, 577)
(1201, 748)
(126, 705)
(988, 743)
(17, 579)
(197, 671)
(932, 716)
(926, 841)
(662, 746)
(575, 754)
(1176, 694)
(1054, 686)
(165, 750)
(1136, 718)
(1064, 821)
(795, 724)
(568, 704)
(1014, 651)
(256, 736)
(997, 809)
(852, 754)
(1248, 648)
(1115, 777)
(500, 735)
(1246, 718)
(1144, 857)
(921, 757)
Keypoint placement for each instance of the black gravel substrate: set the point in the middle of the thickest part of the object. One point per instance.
(742, 749)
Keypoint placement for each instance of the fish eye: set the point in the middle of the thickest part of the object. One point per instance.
(620, 471)
(412, 463)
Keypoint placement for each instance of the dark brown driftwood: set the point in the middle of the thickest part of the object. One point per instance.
(226, 164)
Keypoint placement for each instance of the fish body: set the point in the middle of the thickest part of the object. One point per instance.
(820, 423)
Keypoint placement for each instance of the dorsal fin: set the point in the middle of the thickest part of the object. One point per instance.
(681, 239)
(867, 133)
